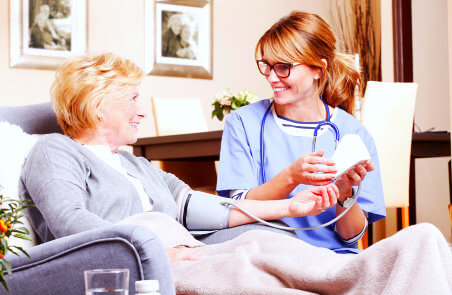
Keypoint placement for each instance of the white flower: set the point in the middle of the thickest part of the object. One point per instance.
(226, 101)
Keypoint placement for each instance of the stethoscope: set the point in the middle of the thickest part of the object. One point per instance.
(327, 122)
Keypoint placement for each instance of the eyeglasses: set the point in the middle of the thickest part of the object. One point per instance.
(282, 70)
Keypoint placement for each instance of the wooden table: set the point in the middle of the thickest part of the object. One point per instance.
(206, 146)
(425, 145)
(190, 146)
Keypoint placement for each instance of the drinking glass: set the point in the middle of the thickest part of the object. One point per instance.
(107, 282)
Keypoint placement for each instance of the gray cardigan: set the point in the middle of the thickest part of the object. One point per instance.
(75, 191)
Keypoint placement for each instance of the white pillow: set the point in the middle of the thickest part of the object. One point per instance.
(14, 148)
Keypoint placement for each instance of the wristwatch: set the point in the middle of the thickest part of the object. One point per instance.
(346, 203)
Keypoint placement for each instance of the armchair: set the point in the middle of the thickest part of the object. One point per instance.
(56, 267)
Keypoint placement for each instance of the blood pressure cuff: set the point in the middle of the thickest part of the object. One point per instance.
(202, 211)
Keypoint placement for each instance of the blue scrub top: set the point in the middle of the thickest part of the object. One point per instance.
(240, 165)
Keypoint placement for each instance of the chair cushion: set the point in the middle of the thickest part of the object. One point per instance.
(33, 119)
(14, 149)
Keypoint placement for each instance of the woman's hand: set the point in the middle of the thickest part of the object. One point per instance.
(181, 253)
(352, 178)
(305, 169)
(313, 200)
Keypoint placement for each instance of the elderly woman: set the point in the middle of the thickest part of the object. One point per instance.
(80, 180)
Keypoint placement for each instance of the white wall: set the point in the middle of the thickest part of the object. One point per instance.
(387, 44)
(449, 26)
(118, 26)
(431, 72)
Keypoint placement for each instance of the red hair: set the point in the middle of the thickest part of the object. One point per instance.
(306, 38)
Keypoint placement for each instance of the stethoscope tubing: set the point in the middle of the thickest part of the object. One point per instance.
(263, 177)
(327, 122)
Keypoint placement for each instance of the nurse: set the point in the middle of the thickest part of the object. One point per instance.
(266, 150)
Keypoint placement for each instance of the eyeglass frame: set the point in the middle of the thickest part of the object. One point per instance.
(272, 67)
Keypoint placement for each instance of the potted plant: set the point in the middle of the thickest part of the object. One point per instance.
(11, 211)
(225, 101)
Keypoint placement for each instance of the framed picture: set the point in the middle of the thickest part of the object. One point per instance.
(178, 39)
(45, 32)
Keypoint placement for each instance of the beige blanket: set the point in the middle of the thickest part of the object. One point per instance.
(417, 260)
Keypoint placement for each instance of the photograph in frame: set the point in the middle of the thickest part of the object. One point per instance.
(43, 33)
(179, 38)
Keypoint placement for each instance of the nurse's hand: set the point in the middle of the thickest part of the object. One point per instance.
(313, 201)
(353, 178)
(305, 169)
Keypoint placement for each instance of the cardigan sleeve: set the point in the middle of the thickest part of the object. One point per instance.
(55, 182)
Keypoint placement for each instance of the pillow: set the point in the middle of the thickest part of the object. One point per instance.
(14, 148)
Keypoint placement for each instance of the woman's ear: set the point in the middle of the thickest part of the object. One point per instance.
(319, 72)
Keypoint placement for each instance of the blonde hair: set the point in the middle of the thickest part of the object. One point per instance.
(84, 84)
(306, 38)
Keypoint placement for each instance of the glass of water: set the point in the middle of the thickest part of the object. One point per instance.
(107, 282)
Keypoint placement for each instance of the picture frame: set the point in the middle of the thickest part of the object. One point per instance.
(43, 33)
(178, 38)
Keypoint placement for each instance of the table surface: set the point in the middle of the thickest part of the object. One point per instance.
(206, 146)
(430, 144)
(190, 146)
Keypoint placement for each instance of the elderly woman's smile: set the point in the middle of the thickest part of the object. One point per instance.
(120, 118)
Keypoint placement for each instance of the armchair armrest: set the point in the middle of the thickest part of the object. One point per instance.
(56, 267)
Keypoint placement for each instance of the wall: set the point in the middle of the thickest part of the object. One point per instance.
(431, 72)
(449, 26)
(387, 45)
(118, 26)
(388, 225)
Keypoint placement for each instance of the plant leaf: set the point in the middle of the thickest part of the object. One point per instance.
(21, 236)
(8, 267)
(2, 280)
(21, 250)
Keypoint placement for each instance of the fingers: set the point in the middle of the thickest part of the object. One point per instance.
(357, 174)
(313, 168)
(325, 197)
(319, 177)
(319, 160)
(336, 190)
(369, 166)
(333, 194)
(354, 177)
(361, 171)
(318, 153)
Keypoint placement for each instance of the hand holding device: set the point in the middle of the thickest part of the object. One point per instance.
(350, 152)
(313, 169)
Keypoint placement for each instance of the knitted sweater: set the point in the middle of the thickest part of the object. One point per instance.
(74, 191)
